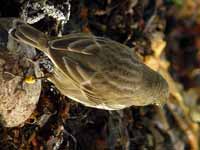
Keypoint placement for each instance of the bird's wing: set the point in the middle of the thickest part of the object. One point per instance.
(78, 42)
(84, 43)
(93, 69)
(79, 53)
(82, 77)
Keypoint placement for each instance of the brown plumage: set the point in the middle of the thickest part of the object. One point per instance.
(96, 71)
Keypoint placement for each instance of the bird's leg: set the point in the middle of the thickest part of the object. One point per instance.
(31, 79)
(36, 59)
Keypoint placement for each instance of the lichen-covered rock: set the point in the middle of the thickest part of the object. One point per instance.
(18, 99)
(16, 104)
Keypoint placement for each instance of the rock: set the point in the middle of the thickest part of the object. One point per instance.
(18, 99)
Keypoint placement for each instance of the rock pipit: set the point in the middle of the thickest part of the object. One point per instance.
(96, 71)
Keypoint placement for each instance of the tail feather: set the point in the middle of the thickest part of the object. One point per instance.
(25, 33)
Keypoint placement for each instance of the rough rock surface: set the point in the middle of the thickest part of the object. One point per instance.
(18, 99)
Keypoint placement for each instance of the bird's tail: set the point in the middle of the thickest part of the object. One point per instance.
(25, 33)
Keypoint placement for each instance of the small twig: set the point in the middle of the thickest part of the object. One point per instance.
(184, 125)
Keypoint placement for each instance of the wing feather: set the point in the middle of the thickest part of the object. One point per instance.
(95, 72)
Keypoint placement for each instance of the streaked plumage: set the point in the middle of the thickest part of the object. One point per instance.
(96, 71)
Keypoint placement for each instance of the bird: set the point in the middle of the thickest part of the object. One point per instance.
(96, 71)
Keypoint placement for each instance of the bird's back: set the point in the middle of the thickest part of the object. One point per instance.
(105, 71)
